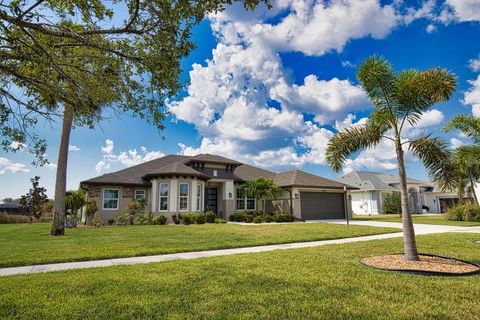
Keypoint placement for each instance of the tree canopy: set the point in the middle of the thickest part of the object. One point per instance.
(88, 54)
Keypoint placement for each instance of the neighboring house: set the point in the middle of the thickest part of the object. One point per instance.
(178, 184)
(373, 186)
(12, 207)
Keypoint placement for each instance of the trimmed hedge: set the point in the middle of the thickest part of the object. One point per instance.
(258, 217)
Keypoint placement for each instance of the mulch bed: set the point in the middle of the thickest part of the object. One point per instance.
(428, 265)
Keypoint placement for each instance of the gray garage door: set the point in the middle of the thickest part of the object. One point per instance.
(322, 205)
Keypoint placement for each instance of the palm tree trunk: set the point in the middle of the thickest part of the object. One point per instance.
(472, 186)
(409, 243)
(58, 224)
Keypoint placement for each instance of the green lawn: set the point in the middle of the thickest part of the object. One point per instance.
(418, 218)
(25, 244)
(313, 283)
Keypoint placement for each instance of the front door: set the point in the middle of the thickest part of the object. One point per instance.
(211, 199)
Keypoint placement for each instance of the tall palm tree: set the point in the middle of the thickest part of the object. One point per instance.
(467, 158)
(399, 100)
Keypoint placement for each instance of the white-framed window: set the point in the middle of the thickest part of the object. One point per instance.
(183, 196)
(110, 199)
(215, 173)
(240, 196)
(163, 196)
(139, 194)
(199, 197)
(243, 202)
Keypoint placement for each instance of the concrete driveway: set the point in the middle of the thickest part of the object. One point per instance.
(420, 228)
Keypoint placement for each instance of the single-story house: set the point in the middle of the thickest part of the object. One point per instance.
(373, 186)
(12, 207)
(176, 184)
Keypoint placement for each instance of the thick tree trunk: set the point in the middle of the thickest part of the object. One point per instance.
(58, 224)
(409, 243)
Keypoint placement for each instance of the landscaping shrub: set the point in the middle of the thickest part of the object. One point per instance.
(467, 212)
(97, 222)
(110, 222)
(123, 218)
(392, 203)
(248, 218)
(159, 220)
(238, 216)
(220, 220)
(210, 216)
(142, 218)
(188, 218)
(268, 218)
(200, 218)
(283, 217)
(257, 219)
(177, 218)
(13, 218)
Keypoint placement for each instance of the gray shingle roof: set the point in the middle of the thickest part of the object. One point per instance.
(178, 165)
(212, 158)
(175, 168)
(300, 178)
(247, 172)
(375, 181)
(134, 175)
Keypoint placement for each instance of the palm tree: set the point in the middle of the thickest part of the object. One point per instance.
(466, 158)
(399, 99)
(74, 201)
(262, 188)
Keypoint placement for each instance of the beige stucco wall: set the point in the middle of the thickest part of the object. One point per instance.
(126, 195)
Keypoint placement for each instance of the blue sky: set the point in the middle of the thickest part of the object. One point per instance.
(270, 87)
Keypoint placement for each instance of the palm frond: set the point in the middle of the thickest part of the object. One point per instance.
(350, 140)
(417, 91)
(437, 159)
(467, 124)
(377, 78)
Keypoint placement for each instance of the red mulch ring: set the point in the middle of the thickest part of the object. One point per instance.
(428, 265)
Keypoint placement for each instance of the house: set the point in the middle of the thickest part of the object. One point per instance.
(373, 186)
(12, 206)
(177, 184)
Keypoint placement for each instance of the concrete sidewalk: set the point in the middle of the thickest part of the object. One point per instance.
(419, 229)
(184, 255)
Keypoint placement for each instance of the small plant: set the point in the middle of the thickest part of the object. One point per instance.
(142, 218)
(268, 218)
(123, 218)
(210, 216)
(97, 222)
(200, 218)
(188, 218)
(90, 211)
(159, 220)
(177, 218)
(111, 222)
(220, 220)
(257, 219)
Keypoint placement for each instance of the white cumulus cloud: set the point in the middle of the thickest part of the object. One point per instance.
(11, 166)
(74, 148)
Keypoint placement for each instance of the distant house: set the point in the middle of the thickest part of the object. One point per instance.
(177, 184)
(11, 207)
(373, 186)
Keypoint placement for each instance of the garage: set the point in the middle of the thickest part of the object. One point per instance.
(322, 205)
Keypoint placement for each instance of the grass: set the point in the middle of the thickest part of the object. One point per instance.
(418, 218)
(313, 283)
(25, 244)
